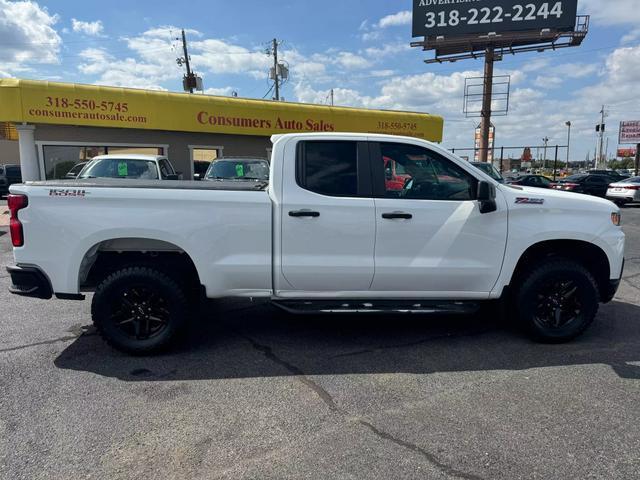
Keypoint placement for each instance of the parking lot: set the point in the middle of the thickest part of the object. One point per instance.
(257, 393)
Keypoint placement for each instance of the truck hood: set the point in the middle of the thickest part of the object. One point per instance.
(527, 197)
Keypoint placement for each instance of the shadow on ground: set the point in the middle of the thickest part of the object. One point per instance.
(241, 340)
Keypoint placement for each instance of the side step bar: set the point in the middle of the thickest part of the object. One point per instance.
(378, 306)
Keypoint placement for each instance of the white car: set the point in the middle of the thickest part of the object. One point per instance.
(328, 233)
(625, 191)
(129, 166)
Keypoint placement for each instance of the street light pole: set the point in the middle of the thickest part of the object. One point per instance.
(568, 124)
(544, 160)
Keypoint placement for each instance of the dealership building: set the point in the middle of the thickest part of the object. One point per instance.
(49, 127)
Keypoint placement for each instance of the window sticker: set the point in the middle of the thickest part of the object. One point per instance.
(123, 170)
(240, 170)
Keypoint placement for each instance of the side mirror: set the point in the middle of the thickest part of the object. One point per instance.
(197, 177)
(388, 174)
(487, 197)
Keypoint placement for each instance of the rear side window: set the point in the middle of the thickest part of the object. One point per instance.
(328, 168)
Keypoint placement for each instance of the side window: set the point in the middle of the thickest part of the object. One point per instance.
(165, 169)
(427, 175)
(328, 168)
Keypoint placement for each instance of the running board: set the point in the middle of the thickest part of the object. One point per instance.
(378, 306)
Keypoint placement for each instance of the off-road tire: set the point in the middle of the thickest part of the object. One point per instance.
(109, 295)
(532, 293)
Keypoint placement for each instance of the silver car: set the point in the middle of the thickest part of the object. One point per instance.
(625, 191)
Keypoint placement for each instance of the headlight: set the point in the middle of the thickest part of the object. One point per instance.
(616, 218)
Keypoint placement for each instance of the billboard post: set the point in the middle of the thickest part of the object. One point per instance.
(485, 125)
(464, 29)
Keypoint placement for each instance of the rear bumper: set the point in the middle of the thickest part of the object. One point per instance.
(29, 282)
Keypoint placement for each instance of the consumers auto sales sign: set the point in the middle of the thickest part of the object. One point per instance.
(630, 132)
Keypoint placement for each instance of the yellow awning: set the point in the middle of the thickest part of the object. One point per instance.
(57, 103)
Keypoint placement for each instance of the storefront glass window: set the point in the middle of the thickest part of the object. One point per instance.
(60, 159)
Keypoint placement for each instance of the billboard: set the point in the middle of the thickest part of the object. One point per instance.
(626, 153)
(629, 132)
(467, 17)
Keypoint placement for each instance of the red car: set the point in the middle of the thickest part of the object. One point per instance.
(395, 175)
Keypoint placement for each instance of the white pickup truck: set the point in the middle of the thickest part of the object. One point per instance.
(332, 231)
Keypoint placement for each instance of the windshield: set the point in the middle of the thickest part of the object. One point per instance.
(120, 168)
(238, 169)
(489, 170)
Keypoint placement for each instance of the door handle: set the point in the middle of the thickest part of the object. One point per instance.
(303, 213)
(397, 215)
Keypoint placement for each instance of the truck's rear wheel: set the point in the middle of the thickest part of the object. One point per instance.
(139, 310)
(557, 301)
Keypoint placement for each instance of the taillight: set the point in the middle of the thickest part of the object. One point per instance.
(569, 186)
(632, 187)
(16, 203)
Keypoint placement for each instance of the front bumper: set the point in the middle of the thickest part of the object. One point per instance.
(612, 287)
(29, 282)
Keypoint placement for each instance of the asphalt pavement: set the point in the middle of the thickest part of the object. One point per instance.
(259, 394)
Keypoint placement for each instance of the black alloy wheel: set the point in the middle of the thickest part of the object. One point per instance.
(140, 310)
(557, 301)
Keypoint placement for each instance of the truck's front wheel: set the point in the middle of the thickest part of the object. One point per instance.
(139, 310)
(557, 301)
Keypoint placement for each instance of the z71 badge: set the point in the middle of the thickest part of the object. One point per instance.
(67, 192)
(529, 201)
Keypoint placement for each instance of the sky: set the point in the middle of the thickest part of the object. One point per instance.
(358, 48)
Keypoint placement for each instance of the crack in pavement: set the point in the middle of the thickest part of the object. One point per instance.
(328, 400)
(46, 342)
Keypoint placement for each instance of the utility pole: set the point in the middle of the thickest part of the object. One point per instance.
(332, 97)
(487, 94)
(568, 124)
(600, 129)
(275, 68)
(189, 82)
(545, 140)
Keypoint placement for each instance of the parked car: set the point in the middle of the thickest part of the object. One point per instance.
(322, 236)
(626, 191)
(238, 168)
(489, 170)
(75, 171)
(538, 181)
(395, 175)
(9, 174)
(595, 185)
(609, 173)
(143, 167)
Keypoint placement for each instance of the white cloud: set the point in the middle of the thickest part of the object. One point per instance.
(397, 19)
(220, 92)
(611, 12)
(88, 28)
(27, 35)
(351, 61)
